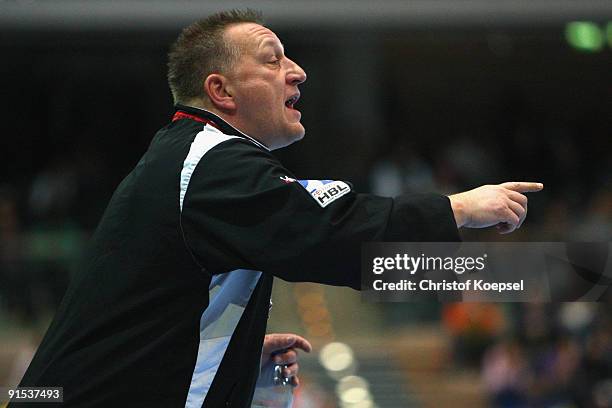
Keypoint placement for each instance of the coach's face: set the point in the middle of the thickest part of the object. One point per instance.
(264, 86)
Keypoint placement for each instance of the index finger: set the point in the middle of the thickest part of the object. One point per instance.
(301, 343)
(523, 186)
(278, 342)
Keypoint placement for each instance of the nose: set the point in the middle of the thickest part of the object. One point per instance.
(296, 74)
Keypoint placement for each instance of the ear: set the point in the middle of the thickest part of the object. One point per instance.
(216, 87)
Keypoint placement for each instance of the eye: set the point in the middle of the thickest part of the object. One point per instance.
(274, 62)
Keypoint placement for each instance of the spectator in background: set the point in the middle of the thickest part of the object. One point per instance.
(474, 326)
(506, 374)
(562, 358)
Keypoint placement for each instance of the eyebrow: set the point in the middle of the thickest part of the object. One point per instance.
(271, 42)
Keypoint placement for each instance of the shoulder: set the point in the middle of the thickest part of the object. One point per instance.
(217, 158)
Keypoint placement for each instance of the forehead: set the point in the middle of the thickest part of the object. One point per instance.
(252, 36)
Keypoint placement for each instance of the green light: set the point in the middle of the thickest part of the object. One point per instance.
(609, 33)
(585, 36)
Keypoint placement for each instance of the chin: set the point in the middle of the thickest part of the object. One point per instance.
(286, 141)
(299, 136)
(295, 134)
(300, 132)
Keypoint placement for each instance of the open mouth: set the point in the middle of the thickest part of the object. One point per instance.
(292, 101)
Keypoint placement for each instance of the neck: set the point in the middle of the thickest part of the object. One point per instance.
(227, 119)
(206, 105)
(199, 103)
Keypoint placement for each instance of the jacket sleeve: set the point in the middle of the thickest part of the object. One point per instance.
(243, 209)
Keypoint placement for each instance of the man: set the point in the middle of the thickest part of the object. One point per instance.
(170, 306)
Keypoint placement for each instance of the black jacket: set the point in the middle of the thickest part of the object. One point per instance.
(169, 307)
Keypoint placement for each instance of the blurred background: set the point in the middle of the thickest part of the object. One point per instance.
(402, 96)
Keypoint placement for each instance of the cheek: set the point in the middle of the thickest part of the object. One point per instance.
(262, 100)
(259, 97)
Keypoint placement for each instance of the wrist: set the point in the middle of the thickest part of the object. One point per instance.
(458, 208)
